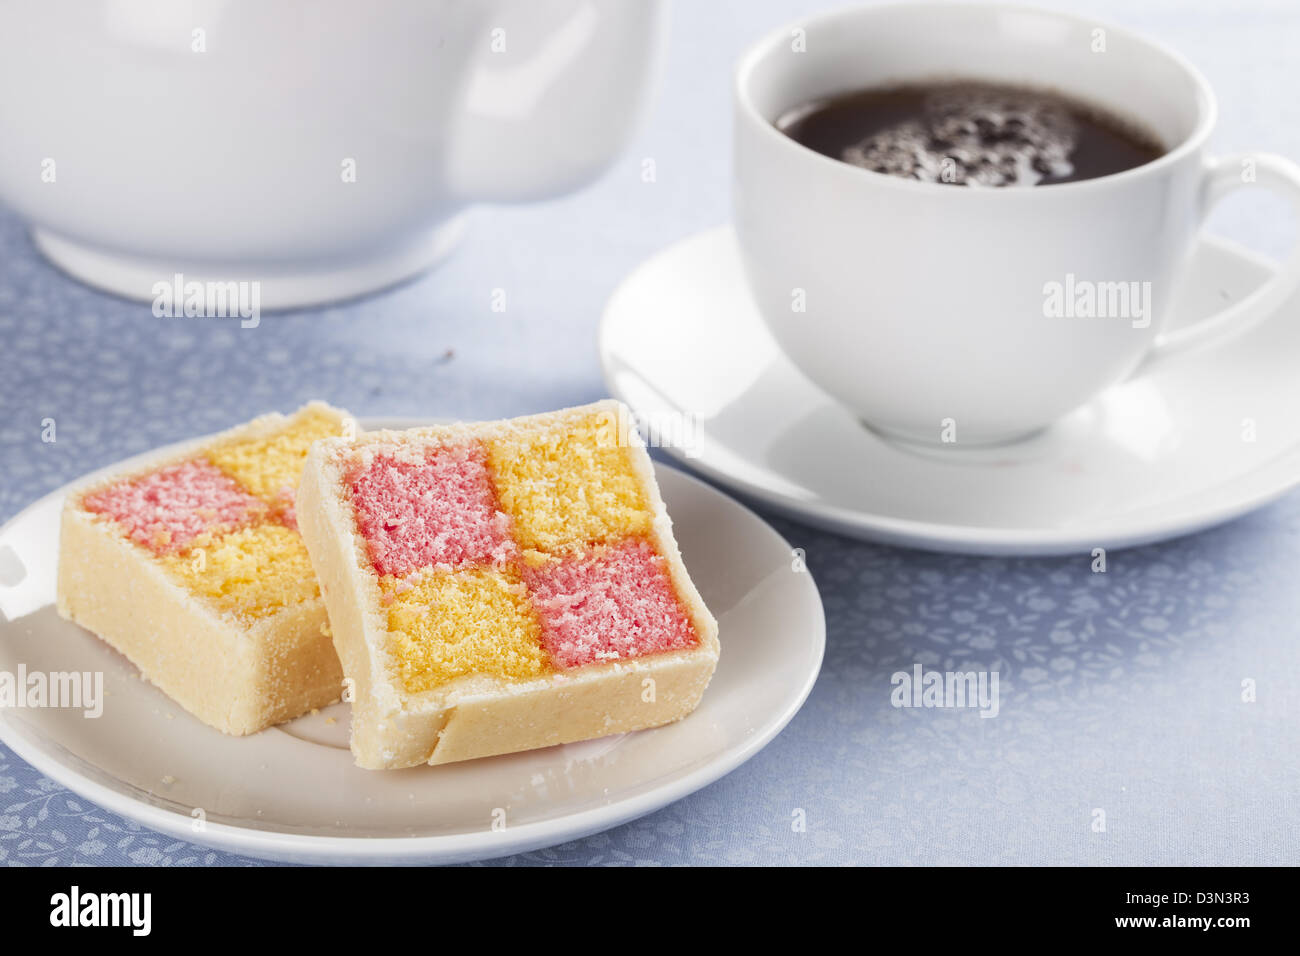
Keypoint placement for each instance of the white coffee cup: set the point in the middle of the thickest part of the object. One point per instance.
(934, 311)
(320, 150)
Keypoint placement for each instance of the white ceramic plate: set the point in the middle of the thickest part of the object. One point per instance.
(1199, 441)
(292, 792)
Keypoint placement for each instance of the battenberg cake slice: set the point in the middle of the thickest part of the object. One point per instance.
(502, 586)
(191, 565)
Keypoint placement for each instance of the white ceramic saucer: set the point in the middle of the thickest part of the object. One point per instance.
(1197, 442)
(292, 792)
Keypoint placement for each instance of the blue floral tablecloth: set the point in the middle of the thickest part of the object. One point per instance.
(1119, 691)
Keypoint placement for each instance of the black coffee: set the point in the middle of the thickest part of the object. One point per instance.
(971, 133)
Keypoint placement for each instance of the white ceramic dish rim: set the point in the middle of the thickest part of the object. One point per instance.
(446, 848)
(971, 539)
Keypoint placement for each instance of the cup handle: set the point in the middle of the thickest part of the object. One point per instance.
(1221, 177)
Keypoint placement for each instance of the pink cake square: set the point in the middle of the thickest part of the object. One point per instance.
(167, 509)
(611, 603)
(437, 512)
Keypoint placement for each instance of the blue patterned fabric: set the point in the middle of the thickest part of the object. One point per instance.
(1119, 691)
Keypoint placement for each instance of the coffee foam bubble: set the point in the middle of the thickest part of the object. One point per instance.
(975, 137)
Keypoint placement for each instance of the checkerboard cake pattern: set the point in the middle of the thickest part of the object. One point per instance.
(508, 556)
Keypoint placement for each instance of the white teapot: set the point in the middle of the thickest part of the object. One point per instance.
(319, 150)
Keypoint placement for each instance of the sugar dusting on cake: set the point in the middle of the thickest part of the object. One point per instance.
(167, 509)
(513, 555)
(612, 603)
(437, 512)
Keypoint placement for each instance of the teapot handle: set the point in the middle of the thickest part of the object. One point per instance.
(552, 96)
